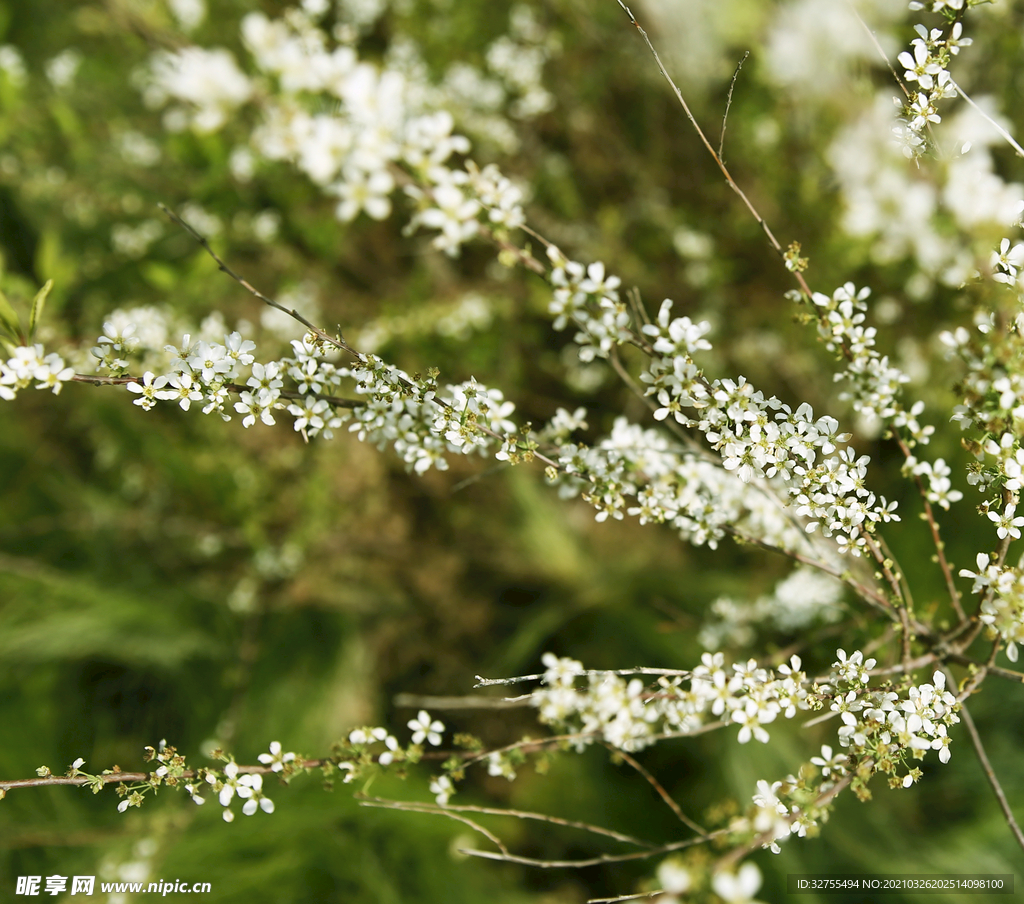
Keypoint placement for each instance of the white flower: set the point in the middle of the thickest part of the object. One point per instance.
(364, 191)
(442, 788)
(425, 728)
(276, 759)
(674, 877)
(830, 765)
(238, 349)
(208, 79)
(147, 389)
(258, 406)
(738, 888)
(210, 360)
(983, 576)
(52, 373)
(1007, 524)
(183, 390)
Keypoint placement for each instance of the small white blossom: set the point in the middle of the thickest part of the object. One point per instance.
(425, 728)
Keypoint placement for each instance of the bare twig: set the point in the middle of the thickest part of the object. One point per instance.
(728, 104)
(873, 597)
(419, 701)
(517, 814)
(435, 810)
(657, 786)
(602, 859)
(880, 49)
(337, 341)
(1006, 135)
(717, 158)
(940, 547)
(990, 774)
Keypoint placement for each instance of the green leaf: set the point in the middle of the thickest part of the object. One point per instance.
(37, 309)
(9, 319)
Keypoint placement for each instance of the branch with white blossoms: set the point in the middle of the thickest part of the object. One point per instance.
(364, 749)
(926, 77)
(388, 127)
(585, 295)
(1002, 600)
(883, 729)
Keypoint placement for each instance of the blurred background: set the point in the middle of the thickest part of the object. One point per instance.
(165, 575)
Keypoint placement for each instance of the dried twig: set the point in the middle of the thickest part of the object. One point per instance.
(657, 786)
(728, 103)
(990, 774)
(586, 673)
(717, 158)
(497, 811)
(337, 341)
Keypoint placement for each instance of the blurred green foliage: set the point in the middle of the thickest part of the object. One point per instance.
(164, 575)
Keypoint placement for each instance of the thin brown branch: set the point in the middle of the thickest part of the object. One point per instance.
(419, 701)
(901, 608)
(337, 341)
(1006, 135)
(636, 897)
(517, 814)
(728, 104)
(112, 778)
(521, 254)
(940, 547)
(872, 597)
(990, 774)
(880, 49)
(435, 810)
(586, 673)
(602, 859)
(657, 786)
(717, 158)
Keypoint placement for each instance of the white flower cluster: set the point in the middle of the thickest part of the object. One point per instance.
(804, 596)
(588, 298)
(1002, 607)
(684, 489)
(629, 716)
(875, 381)
(381, 123)
(406, 412)
(905, 216)
(764, 438)
(993, 404)
(879, 732)
(247, 787)
(29, 364)
(939, 489)
(881, 729)
(927, 68)
(209, 81)
(378, 745)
